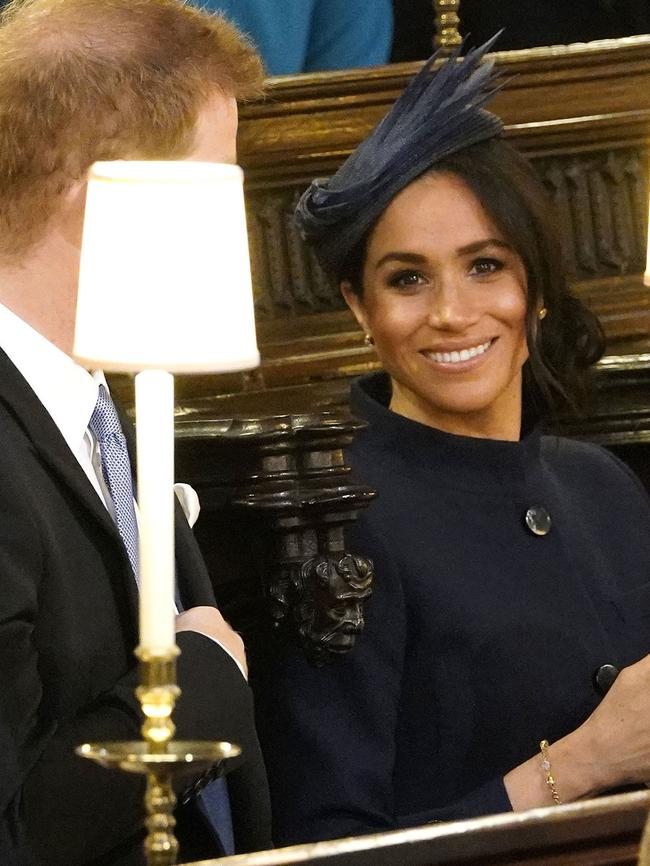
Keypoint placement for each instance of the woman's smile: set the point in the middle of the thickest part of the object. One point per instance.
(460, 358)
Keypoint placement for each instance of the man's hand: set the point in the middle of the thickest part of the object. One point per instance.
(208, 621)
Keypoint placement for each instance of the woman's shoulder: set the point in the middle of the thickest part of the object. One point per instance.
(588, 464)
(561, 450)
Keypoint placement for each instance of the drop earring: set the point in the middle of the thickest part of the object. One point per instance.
(542, 313)
(369, 340)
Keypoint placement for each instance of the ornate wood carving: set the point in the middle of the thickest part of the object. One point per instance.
(602, 203)
(601, 200)
(287, 278)
(288, 473)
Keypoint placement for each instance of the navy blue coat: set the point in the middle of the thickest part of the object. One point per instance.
(481, 638)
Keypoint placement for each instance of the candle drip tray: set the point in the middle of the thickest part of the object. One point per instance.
(139, 757)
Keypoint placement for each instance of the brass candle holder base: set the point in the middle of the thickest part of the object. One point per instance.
(162, 769)
(163, 760)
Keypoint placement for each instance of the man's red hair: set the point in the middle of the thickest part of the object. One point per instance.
(87, 80)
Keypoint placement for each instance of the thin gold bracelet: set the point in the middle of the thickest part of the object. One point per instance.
(548, 776)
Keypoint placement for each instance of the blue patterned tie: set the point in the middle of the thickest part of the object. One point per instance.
(216, 803)
(116, 468)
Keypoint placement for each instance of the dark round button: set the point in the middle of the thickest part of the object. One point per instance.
(604, 678)
(538, 520)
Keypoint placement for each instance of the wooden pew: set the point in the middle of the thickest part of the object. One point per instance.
(601, 832)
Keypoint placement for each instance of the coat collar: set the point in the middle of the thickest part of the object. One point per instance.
(465, 461)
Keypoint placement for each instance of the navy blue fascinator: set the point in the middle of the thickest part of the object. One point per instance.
(440, 112)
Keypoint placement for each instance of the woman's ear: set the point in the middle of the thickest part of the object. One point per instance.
(355, 303)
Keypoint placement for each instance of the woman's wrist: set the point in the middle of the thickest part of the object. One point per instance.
(571, 762)
(575, 764)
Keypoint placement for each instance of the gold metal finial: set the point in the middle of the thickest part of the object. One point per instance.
(157, 694)
(447, 24)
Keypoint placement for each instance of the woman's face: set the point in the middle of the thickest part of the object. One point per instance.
(444, 297)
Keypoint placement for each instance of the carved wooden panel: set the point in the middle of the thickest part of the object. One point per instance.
(554, 100)
(601, 200)
(602, 203)
(287, 278)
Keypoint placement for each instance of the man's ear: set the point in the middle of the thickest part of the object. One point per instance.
(73, 206)
(355, 303)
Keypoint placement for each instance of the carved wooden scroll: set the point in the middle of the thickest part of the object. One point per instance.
(279, 493)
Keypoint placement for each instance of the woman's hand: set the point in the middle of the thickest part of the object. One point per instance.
(611, 748)
(618, 731)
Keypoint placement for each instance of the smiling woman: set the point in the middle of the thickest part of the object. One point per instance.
(488, 195)
(511, 567)
(445, 302)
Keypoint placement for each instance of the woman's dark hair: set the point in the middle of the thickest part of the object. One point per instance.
(569, 340)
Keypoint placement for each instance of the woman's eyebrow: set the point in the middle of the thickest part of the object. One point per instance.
(410, 258)
(419, 259)
(477, 246)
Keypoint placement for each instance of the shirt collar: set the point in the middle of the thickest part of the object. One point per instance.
(67, 390)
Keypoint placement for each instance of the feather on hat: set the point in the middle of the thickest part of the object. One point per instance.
(439, 112)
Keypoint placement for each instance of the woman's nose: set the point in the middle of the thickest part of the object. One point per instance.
(450, 309)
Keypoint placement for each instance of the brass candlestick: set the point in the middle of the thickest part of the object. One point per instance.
(159, 757)
(447, 23)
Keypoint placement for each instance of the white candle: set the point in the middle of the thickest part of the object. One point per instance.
(154, 405)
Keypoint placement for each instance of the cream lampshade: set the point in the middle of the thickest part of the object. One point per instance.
(164, 281)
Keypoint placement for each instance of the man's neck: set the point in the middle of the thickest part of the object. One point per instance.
(41, 288)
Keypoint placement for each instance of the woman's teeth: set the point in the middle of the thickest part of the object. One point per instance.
(457, 357)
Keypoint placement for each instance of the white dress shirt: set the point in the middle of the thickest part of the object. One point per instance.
(69, 393)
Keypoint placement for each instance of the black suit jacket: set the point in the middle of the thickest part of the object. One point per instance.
(68, 627)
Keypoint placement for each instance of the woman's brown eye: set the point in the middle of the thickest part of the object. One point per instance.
(405, 279)
(486, 266)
